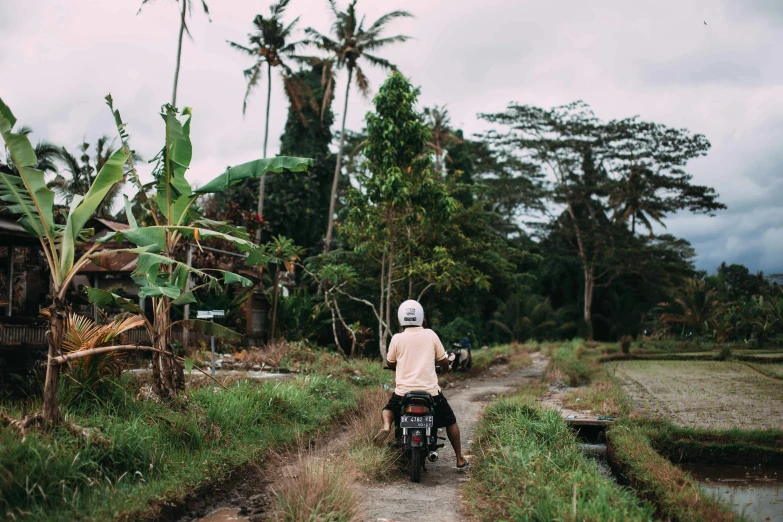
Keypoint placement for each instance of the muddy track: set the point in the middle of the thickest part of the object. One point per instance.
(437, 497)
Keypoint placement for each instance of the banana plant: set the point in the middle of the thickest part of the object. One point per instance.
(177, 220)
(28, 196)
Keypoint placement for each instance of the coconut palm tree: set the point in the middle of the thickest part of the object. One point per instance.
(634, 197)
(187, 7)
(83, 171)
(695, 307)
(349, 44)
(269, 46)
(441, 136)
(45, 152)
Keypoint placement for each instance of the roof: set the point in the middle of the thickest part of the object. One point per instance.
(13, 227)
(116, 226)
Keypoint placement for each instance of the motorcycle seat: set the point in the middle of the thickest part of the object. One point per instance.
(419, 397)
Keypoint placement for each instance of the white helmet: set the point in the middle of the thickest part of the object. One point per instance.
(410, 313)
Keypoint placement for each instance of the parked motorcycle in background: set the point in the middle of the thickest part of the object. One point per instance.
(463, 359)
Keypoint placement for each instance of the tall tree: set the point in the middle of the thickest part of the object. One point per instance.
(349, 44)
(585, 157)
(187, 7)
(400, 209)
(270, 47)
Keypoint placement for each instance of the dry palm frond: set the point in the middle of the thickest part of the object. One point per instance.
(82, 333)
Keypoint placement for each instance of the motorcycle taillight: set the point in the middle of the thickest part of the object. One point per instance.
(416, 409)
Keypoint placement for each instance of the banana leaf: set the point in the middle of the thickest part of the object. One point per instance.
(174, 191)
(104, 298)
(254, 169)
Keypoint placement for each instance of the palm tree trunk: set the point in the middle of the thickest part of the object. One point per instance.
(51, 407)
(262, 179)
(588, 306)
(179, 53)
(633, 224)
(330, 225)
(167, 374)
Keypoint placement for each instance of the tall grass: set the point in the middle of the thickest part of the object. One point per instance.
(158, 451)
(573, 363)
(319, 492)
(529, 467)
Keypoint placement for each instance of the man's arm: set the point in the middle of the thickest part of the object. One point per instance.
(444, 365)
(391, 365)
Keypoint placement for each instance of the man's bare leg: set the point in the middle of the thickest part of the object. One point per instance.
(454, 437)
(388, 418)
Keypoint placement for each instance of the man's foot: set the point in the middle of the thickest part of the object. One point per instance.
(462, 463)
(381, 436)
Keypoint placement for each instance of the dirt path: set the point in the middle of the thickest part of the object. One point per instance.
(437, 497)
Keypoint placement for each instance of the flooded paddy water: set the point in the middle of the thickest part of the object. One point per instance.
(756, 493)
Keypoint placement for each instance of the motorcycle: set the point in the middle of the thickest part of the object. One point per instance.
(416, 436)
(463, 359)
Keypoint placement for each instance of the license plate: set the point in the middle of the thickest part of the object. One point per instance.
(411, 421)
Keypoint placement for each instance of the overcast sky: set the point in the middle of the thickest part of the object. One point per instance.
(658, 60)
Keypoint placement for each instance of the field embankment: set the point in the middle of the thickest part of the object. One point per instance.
(529, 466)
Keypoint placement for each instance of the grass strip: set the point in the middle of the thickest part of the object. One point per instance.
(676, 495)
(529, 466)
(158, 452)
(734, 446)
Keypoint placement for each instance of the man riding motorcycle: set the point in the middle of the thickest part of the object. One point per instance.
(411, 355)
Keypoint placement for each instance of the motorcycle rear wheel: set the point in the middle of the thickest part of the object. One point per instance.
(416, 465)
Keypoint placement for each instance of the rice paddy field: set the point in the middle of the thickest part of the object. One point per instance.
(705, 394)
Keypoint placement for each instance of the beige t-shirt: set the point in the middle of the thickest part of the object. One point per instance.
(415, 351)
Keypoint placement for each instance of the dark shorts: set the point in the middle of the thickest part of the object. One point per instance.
(444, 416)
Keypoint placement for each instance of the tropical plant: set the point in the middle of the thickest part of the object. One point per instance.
(349, 44)
(82, 333)
(46, 155)
(28, 196)
(694, 308)
(187, 7)
(441, 134)
(269, 45)
(177, 219)
(82, 171)
(281, 251)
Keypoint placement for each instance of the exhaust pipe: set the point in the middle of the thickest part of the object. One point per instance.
(433, 456)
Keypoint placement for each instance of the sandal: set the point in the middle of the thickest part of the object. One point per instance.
(381, 436)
